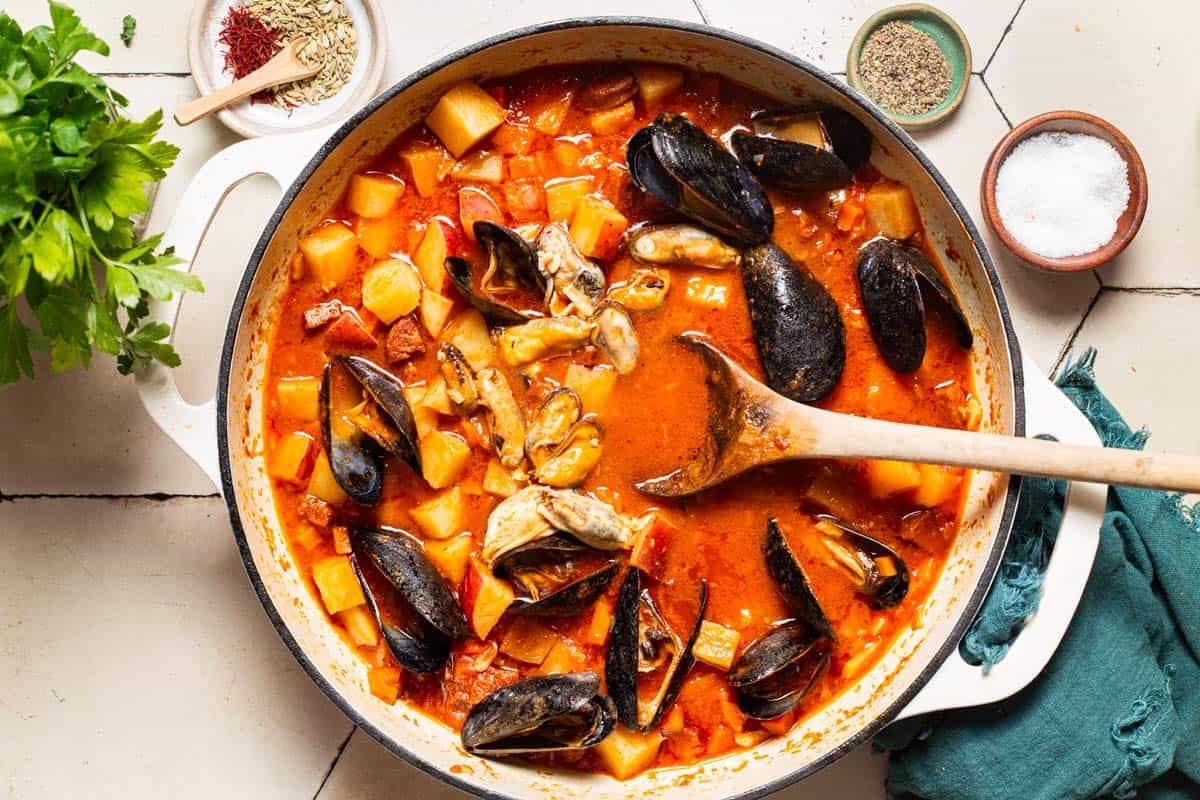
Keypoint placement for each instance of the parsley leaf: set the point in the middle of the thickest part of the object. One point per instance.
(73, 176)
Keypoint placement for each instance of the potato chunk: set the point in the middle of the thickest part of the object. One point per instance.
(938, 485)
(441, 516)
(293, 458)
(563, 196)
(450, 556)
(298, 397)
(890, 478)
(593, 385)
(330, 253)
(431, 254)
(361, 626)
(337, 583)
(625, 753)
(597, 227)
(443, 457)
(384, 683)
(435, 310)
(382, 236)
(373, 195)
(891, 209)
(428, 165)
(655, 82)
(469, 333)
(464, 116)
(485, 166)
(321, 483)
(391, 289)
(716, 645)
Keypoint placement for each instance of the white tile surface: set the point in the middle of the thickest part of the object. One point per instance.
(137, 662)
(1131, 63)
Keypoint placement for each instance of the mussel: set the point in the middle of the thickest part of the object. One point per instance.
(356, 430)
(540, 338)
(556, 576)
(680, 165)
(512, 267)
(575, 283)
(536, 511)
(796, 323)
(420, 628)
(560, 442)
(459, 378)
(540, 714)
(505, 421)
(615, 337)
(878, 572)
(680, 245)
(776, 670)
(644, 290)
(889, 279)
(643, 648)
(551, 423)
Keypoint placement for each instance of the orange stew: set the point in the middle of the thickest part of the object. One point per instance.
(550, 146)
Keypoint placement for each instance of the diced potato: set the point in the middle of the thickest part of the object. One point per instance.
(444, 455)
(431, 254)
(469, 333)
(441, 516)
(597, 227)
(436, 397)
(779, 726)
(428, 164)
(330, 252)
(707, 292)
(655, 82)
(611, 120)
(298, 397)
(939, 485)
(464, 116)
(384, 683)
(337, 583)
(499, 481)
(563, 196)
(486, 166)
(435, 310)
(321, 483)
(475, 204)
(891, 209)
(716, 644)
(380, 237)
(424, 417)
(341, 540)
(293, 458)
(450, 556)
(524, 199)
(890, 478)
(549, 115)
(484, 598)
(600, 623)
(593, 385)
(625, 753)
(514, 140)
(391, 289)
(361, 626)
(373, 195)
(528, 640)
(567, 156)
(307, 536)
(525, 167)
(563, 657)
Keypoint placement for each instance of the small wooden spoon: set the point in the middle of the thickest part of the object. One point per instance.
(285, 67)
(750, 425)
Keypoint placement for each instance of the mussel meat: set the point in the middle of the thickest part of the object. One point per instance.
(645, 290)
(796, 325)
(615, 337)
(419, 628)
(643, 648)
(680, 245)
(556, 575)
(391, 425)
(539, 338)
(536, 511)
(575, 283)
(539, 715)
(878, 572)
(680, 165)
(459, 378)
(512, 268)
(551, 424)
(889, 279)
(575, 457)
(504, 418)
(776, 670)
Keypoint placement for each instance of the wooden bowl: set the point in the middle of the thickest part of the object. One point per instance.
(1072, 122)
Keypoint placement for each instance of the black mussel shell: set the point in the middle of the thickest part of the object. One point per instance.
(414, 643)
(682, 166)
(888, 275)
(568, 575)
(540, 714)
(879, 573)
(776, 670)
(400, 558)
(797, 325)
(626, 641)
(400, 438)
(791, 166)
(355, 460)
(512, 261)
(789, 576)
(850, 138)
(498, 314)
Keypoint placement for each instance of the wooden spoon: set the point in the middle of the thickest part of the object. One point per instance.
(285, 67)
(750, 425)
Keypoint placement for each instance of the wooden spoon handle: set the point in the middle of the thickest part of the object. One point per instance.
(855, 437)
(280, 69)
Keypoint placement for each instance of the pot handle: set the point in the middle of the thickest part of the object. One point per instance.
(958, 684)
(193, 426)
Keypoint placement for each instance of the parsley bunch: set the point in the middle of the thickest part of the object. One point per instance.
(73, 173)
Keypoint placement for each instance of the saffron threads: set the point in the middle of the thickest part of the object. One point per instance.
(248, 45)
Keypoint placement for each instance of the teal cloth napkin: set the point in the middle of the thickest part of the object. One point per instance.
(1116, 713)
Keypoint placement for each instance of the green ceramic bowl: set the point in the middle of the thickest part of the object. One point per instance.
(949, 38)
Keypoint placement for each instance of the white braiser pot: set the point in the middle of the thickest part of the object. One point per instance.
(921, 672)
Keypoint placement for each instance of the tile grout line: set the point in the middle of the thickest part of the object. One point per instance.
(1165, 291)
(700, 8)
(336, 757)
(1007, 29)
(1065, 350)
(995, 102)
(157, 497)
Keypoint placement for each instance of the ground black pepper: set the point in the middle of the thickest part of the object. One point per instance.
(903, 69)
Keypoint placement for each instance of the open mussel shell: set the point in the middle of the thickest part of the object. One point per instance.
(791, 166)
(551, 424)
(680, 165)
(878, 572)
(775, 671)
(396, 430)
(498, 314)
(512, 260)
(356, 461)
(836, 130)
(540, 714)
(614, 335)
(459, 378)
(577, 283)
(796, 323)
(556, 575)
(888, 274)
(793, 583)
(640, 641)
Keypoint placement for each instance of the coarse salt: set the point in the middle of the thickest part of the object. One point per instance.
(1060, 194)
